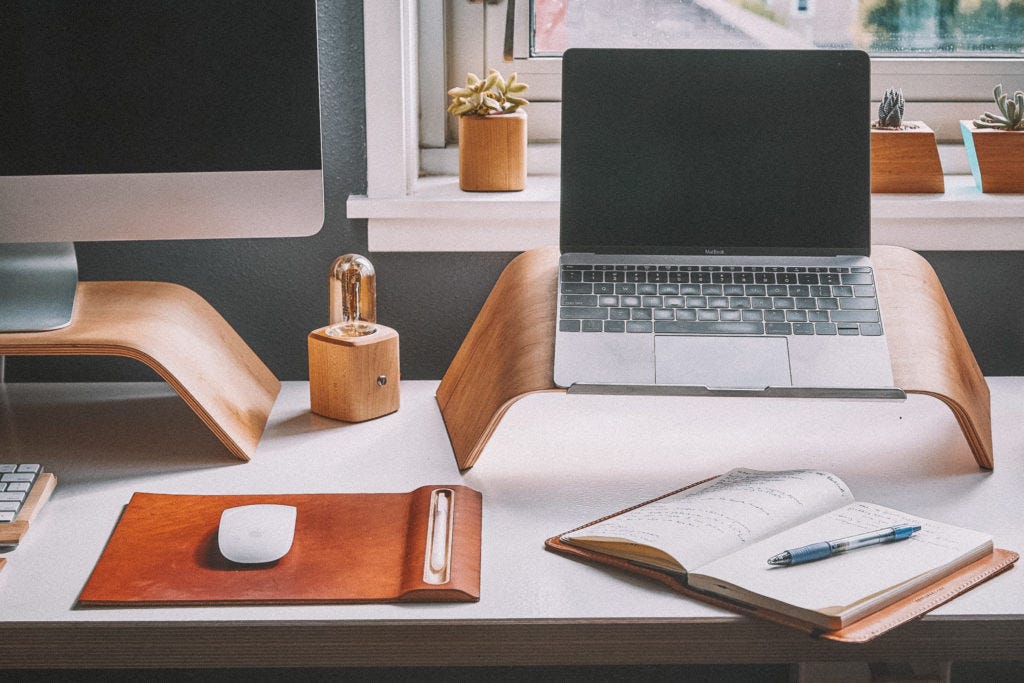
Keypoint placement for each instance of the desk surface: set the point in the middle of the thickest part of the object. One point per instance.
(556, 461)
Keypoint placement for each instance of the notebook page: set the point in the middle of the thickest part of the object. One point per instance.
(721, 516)
(845, 583)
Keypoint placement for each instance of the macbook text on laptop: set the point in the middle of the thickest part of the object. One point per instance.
(715, 225)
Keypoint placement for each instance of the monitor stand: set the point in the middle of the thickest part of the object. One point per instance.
(169, 328)
(38, 283)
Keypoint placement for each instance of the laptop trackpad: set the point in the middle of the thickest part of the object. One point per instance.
(722, 362)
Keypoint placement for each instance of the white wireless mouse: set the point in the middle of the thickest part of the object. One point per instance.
(255, 534)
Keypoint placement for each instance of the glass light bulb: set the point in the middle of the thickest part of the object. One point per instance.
(352, 285)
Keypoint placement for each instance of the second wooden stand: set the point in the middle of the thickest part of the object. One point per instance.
(502, 359)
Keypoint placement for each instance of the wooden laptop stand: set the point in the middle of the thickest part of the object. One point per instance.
(178, 334)
(509, 351)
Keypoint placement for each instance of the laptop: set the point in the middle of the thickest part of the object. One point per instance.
(715, 225)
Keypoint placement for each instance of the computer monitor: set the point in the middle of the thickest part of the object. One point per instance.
(163, 119)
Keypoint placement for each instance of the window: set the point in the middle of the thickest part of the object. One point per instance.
(946, 55)
(416, 49)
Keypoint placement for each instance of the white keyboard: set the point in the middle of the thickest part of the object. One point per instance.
(15, 484)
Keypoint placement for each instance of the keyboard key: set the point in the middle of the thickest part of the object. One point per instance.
(664, 314)
(718, 302)
(583, 313)
(614, 276)
(711, 290)
(751, 316)
(775, 316)
(848, 329)
(618, 314)
(827, 304)
(824, 328)
(602, 288)
(686, 314)
(870, 329)
(679, 327)
(568, 325)
(729, 315)
(690, 290)
(675, 301)
(653, 301)
(858, 303)
(806, 304)
(796, 316)
(817, 316)
(630, 301)
(572, 276)
(696, 302)
(579, 300)
(739, 302)
(778, 328)
(803, 328)
(593, 326)
(625, 288)
(857, 279)
(576, 288)
(647, 289)
(854, 316)
(783, 302)
(778, 290)
(639, 326)
(593, 276)
(668, 289)
(614, 326)
(864, 290)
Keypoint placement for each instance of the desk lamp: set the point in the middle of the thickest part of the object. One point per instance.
(353, 362)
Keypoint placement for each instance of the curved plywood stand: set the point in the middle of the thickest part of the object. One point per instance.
(509, 351)
(179, 335)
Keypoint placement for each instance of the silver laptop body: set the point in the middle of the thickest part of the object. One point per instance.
(715, 225)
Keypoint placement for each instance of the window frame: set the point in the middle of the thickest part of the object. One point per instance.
(407, 209)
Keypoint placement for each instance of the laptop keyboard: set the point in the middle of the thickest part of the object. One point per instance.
(744, 300)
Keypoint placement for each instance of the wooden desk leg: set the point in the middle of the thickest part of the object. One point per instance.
(509, 351)
(179, 335)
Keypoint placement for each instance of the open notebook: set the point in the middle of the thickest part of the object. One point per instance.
(713, 540)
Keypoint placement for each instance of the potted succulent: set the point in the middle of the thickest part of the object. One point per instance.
(995, 144)
(904, 156)
(492, 132)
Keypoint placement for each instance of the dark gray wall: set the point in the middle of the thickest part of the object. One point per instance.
(273, 291)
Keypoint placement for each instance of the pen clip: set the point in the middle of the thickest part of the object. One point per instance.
(440, 523)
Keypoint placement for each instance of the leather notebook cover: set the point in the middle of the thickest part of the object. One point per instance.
(886, 619)
(348, 547)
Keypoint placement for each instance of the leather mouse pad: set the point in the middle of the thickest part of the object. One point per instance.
(347, 547)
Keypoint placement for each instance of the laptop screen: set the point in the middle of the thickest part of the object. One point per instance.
(715, 152)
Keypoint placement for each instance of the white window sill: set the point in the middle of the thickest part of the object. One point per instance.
(438, 216)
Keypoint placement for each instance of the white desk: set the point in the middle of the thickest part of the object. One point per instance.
(556, 461)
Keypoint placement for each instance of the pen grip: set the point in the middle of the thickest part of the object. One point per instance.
(810, 553)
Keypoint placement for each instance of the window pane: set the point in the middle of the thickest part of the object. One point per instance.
(882, 27)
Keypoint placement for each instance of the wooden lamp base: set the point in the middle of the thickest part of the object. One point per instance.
(353, 378)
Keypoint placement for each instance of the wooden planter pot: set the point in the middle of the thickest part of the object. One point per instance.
(905, 160)
(492, 152)
(996, 156)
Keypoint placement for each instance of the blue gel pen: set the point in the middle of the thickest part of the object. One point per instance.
(819, 551)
